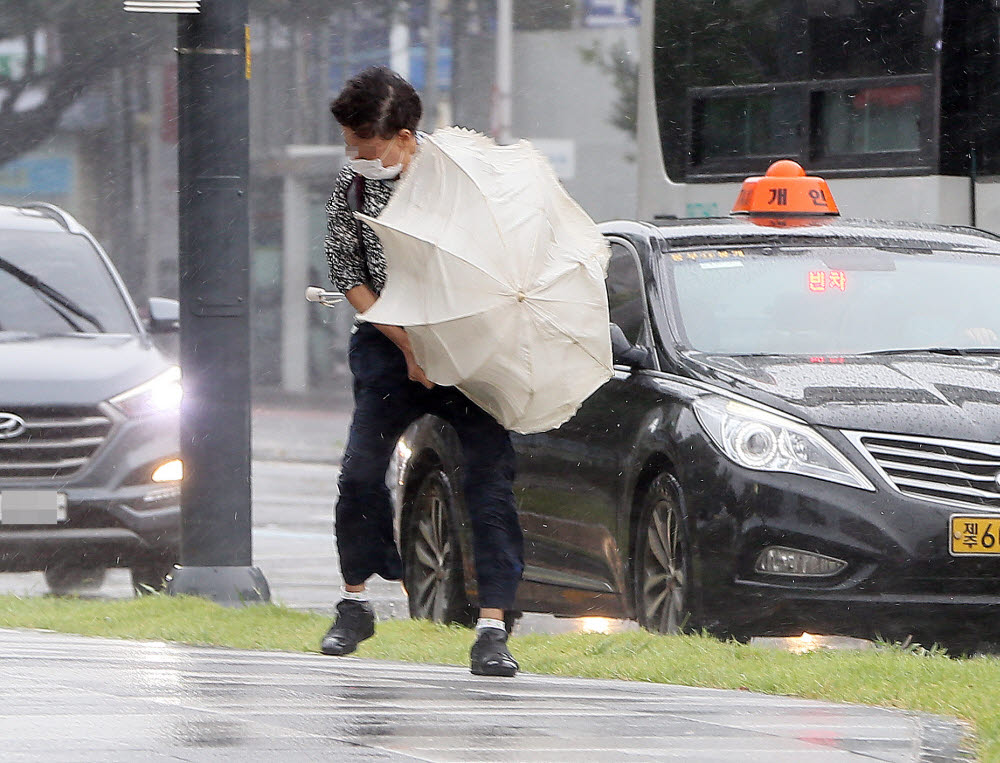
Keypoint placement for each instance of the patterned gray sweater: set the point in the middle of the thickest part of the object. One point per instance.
(341, 244)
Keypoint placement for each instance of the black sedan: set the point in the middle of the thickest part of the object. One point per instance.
(802, 433)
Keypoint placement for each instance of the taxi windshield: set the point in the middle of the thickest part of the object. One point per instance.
(834, 300)
(56, 283)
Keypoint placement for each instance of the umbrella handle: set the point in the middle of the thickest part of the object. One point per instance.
(322, 296)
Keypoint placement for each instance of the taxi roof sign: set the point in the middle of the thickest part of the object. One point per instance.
(785, 189)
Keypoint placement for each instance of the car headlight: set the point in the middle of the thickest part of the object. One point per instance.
(161, 394)
(759, 439)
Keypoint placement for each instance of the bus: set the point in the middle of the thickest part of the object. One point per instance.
(898, 101)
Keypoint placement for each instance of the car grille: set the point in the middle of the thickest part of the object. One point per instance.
(58, 442)
(953, 471)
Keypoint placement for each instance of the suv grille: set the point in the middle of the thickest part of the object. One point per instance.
(57, 442)
(955, 471)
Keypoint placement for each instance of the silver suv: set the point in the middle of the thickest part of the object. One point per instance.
(90, 466)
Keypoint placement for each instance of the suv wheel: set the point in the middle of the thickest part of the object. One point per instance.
(662, 561)
(150, 577)
(64, 579)
(432, 561)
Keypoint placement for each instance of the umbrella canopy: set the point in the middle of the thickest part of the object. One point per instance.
(498, 277)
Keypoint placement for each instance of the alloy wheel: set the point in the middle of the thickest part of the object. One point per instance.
(433, 568)
(662, 578)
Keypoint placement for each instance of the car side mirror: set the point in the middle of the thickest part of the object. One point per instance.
(164, 315)
(624, 353)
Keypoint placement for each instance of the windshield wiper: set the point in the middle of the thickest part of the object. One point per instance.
(56, 298)
(921, 350)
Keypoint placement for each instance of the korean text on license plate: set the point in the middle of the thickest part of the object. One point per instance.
(974, 535)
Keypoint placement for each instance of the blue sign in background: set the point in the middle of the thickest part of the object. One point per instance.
(37, 176)
(601, 13)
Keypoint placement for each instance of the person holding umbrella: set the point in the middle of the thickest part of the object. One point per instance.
(378, 112)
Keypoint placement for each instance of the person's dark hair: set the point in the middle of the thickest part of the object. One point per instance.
(377, 103)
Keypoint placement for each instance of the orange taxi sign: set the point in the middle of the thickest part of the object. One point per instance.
(785, 189)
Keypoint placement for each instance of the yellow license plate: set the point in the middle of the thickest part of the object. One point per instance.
(975, 535)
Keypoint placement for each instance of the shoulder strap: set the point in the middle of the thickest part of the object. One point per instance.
(356, 194)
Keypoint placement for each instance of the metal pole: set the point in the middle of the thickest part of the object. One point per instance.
(399, 40)
(431, 65)
(213, 68)
(295, 268)
(973, 177)
(504, 70)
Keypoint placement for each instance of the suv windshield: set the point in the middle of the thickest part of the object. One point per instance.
(56, 283)
(835, 301)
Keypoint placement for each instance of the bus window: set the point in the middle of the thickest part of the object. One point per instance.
(804, 79)
(752, 124)
(867, 120)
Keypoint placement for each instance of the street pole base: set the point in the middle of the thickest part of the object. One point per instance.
(229, 586)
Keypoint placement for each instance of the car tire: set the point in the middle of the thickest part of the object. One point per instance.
(432, 559)
(662, 567)
(64, 579)
(150, 577)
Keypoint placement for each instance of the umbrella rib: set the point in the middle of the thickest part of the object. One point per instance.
(475, 183)
(485, 360)
(451, 318)
(562, 331)
(457, 256)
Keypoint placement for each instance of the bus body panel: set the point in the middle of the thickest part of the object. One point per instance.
(932, 185)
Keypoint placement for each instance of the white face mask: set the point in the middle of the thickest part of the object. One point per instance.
(373, 169)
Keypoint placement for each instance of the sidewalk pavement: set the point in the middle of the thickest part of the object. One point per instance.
(306, 428)
(72, 698)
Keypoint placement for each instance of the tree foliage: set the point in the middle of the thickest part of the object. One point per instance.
(82, 42)
(623, 69)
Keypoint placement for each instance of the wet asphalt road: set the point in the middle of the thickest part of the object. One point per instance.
(71, 698)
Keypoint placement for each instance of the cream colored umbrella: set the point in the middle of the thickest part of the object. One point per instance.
(498, 277)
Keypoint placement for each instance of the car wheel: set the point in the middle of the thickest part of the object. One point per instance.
(65, 579)
(150, 577)
(662, 561)
(432, 570)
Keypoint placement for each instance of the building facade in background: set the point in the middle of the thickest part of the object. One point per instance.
(112, 162)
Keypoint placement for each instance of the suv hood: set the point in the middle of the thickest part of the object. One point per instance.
(955, 397)
(75, 369)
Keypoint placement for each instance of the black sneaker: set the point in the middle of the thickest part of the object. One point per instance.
(355, 622)
(490, 656)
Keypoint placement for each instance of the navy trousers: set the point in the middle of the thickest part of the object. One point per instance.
(386, 402)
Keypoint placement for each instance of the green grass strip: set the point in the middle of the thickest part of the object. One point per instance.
(911, 679)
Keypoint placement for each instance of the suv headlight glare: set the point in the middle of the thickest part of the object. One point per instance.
(161, 394)
(756, 438)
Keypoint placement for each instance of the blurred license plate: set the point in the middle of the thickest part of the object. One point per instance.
(975, 535)
(32, 507)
